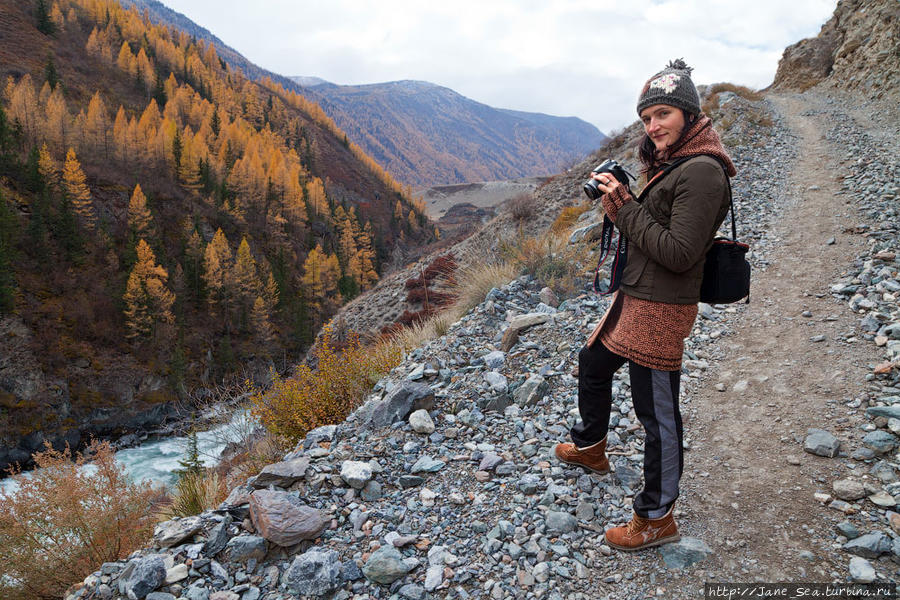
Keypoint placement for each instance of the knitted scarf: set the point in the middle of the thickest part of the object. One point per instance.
(701, 138)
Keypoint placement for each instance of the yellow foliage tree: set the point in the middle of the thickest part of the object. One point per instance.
(246, 282)
(148, 302)
(217, 262)
(77, 190)
(48, 168)
(320, 278)
(97, 125)
(139, 218)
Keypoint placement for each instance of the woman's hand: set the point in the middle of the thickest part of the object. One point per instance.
(606, 183)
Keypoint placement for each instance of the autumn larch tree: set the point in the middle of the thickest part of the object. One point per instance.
(217, 263)
(320, 278)
(148, 302)
(140, 221)
(77, 190)
(246, 283)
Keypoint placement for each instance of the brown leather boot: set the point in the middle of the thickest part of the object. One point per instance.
(593, 458)
(643, 533)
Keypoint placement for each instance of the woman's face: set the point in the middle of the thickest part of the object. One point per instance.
(663, 123)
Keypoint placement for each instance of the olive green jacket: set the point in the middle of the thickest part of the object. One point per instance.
(671, 230)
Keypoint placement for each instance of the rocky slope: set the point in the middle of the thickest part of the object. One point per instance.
(443, 485)
(858, 49)
(427, 135)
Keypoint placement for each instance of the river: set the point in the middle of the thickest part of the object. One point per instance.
(156, 460)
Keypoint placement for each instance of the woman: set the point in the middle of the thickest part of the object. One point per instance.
(668, 234)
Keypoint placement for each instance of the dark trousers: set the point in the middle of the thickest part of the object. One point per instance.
(655, 398)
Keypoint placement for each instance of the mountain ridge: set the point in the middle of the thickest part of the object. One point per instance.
(428, 134)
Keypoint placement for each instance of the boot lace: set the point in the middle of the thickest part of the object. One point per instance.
(634, 525)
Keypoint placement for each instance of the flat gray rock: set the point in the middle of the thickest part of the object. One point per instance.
(426, 464)
(684, 553)
(560, 522)
(522, 322)
(356, 473)
(871, 545)
(421, 422)
(143, 576)
(821, 443)
(848, 489)
(385, 565)
(282, 474)
(889, 412)
(880, 441)
(316, 573)
(396, 406)
(171, 533)
(244, 547)
(861, 570)
(532, 391)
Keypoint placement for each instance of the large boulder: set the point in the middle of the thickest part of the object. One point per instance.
(283, 519)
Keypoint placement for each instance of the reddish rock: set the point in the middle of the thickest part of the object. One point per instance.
(283, 519)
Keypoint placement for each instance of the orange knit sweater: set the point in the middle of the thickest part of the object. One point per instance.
(648, 333)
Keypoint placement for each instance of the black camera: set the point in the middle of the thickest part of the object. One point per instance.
(607, 166)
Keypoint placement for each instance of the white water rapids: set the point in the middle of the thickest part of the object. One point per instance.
(156, 460)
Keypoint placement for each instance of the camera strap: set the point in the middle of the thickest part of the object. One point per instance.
(606, 236)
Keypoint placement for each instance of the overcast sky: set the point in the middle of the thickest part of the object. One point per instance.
(583, 58)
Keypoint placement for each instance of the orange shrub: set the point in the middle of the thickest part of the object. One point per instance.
(65, 521)
(311, 398)
(568, 216)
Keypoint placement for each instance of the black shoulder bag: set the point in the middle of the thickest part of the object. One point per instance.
(726, 272)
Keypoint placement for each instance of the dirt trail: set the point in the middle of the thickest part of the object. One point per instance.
(748, 486)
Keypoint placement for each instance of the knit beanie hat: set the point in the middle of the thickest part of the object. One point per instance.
(672, 86)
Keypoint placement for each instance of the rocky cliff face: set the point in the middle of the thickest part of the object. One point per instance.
(858, 49)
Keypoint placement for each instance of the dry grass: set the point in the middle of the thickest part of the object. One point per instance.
(428, 329)
(194, 493)
(568, 217)
(295, 405)
(740, 90)
(477, 279)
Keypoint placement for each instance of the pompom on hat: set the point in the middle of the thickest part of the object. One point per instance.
(672, 86)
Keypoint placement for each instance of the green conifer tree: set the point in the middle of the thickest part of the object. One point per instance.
(51, 75)
(8, 228)
(42, 15)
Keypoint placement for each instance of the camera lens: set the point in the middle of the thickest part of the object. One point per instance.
(591, 189)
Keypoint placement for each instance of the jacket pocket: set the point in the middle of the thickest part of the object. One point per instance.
(634, 269)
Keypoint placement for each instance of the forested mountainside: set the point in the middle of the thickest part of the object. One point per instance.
(164, 221)
(404, 126)
(428, 135)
